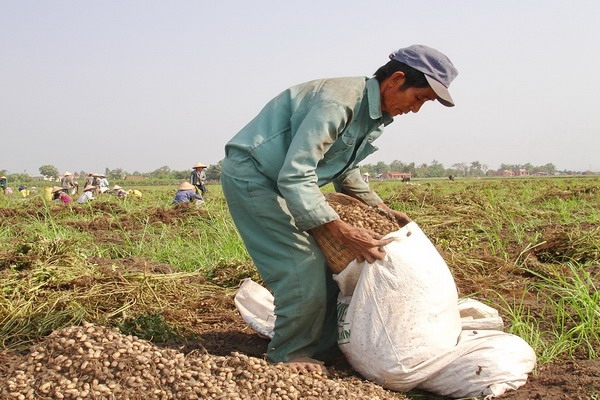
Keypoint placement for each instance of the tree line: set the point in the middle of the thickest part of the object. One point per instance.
(473, 169)
(432, 170)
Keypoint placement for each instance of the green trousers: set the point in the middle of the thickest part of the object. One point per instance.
(294, 269)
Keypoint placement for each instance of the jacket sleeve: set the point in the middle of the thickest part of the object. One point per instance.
(352, 182)
(297, 180)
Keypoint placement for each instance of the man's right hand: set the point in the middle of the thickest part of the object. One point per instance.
(364, 244)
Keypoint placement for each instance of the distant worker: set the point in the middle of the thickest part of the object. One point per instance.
(93, 179)
(59, 195)
(3, 183)
(89, 180)
(118, 191)
(24, 191)
(87, 195)
(186, 194)
(198, 178)
(68, 184)
(103, 183)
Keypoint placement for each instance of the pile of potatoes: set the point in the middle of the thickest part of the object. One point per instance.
(94, 362)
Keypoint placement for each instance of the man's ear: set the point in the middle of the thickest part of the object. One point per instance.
(397, 79)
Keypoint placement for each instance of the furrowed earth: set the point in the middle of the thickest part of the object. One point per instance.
(197, 335)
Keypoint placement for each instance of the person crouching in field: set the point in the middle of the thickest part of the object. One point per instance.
(24, 191)
(186, 194)
(59, 195)
(87, 195)
(118, 191)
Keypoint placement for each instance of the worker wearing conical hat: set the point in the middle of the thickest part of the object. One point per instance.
(186, 194)
(118, 191)
(58, 194)
(68, 184)
(87, 195)
(198, 178)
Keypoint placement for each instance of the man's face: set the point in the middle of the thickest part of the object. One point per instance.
(396, 101)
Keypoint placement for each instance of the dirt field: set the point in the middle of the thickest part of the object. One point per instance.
(575, 379)
(220, 331)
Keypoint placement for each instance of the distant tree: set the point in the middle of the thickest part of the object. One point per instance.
(508, 167)
(23, 177)
(116, 173)
(161, 173)
(180, 175)
(461, 167)
(453, 171)
(476, 168)
(398, 166)
(213, 172)
(436, 169)
(421, 171)
(549, 168)
(381, 168)
(49, 171)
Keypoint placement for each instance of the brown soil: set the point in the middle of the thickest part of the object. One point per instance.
(572, 379)
(569, 379)
(219, 330)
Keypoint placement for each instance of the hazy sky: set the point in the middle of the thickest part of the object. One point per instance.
(140, 84)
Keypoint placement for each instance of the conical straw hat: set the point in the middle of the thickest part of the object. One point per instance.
(185, 186)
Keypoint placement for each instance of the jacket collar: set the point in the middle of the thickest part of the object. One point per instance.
(374, 98)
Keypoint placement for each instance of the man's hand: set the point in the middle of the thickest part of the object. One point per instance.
(364, 244)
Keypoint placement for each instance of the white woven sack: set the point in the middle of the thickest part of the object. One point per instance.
(476, 315)
(473, 313)
(488, 363)
(402, 319)
(256, 306)
(348, 277)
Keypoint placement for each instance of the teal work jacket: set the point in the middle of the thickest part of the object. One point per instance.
(308, 136)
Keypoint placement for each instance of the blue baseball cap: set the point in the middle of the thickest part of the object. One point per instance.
(438, 68)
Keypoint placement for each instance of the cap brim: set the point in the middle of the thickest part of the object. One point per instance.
(443, 95)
